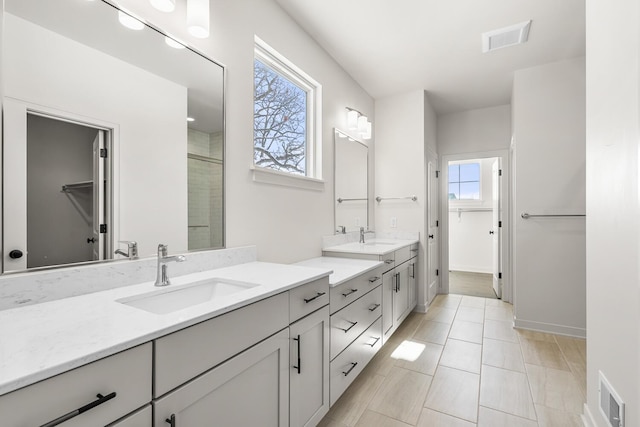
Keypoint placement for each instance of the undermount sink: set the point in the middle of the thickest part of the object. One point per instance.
(168, 300)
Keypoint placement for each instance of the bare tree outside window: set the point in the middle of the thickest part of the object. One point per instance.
(279, 122)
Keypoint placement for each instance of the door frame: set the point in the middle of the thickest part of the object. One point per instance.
(112, 143)
(505, 192)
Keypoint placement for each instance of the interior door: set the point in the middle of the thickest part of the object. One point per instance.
(496, 230)
(98, 196)
(432, 229)
(14, 185)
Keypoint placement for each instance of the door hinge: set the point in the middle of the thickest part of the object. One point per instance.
(103, 153)
(103, 228)
(437, 174)
(499, 172)
(499, 275)
(437, 223)
(437, 272)
(499, 223)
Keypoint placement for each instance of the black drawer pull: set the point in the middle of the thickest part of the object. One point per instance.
(374, 307)
(349, 293)
(299, 344)
(171, 420)
(374, 279)
(349, 328)
(318, 295)
(353, 365)
(388, 261)
(101, 399)
(375, 342)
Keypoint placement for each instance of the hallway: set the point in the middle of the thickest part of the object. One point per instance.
(463, 365)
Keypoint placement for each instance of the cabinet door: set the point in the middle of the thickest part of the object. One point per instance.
(413, 288)
(251, 389)
(309, 372)
(388, 286)
(401, 294)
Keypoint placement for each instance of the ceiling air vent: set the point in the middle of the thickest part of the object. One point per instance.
(505, 37)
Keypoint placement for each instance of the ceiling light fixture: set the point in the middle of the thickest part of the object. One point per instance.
(129, 21)
(357, 121)
(198, 18)
(164, 5)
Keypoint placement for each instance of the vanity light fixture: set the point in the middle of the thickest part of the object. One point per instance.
(164, 5)
(357, 121)
(198, 18)
(129, 21)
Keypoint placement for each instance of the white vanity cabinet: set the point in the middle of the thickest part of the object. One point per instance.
(141, 418)
(250, 389)
(123, 380)
(309, 369)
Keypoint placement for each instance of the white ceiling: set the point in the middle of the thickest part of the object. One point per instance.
(394, 46)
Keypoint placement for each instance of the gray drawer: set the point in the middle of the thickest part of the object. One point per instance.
(348, 292)
(305, 299)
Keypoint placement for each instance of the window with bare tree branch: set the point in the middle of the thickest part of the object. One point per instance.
(286, 122)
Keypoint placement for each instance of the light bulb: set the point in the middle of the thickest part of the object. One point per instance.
(164, 5)
(129, 21)
(198, 18)
(352, 120)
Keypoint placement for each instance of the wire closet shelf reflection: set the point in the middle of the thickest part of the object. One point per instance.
(526, 215)
(413, 198)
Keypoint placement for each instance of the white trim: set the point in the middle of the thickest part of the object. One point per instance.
(587, 417)
(270, 176)
(551, 328)
(282, 65)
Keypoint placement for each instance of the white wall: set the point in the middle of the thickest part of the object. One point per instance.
(41, 67)
(285, 223)
(613, 203)
(549, 134)
(484, 129)
(470, 244)
(405, 129)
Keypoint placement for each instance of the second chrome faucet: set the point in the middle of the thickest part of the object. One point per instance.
(162, 279)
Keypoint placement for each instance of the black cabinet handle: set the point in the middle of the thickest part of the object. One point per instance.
(353, 365)
(349, 328)
(171, 420)
(388, 261)
(374, 307)
(299, 344)
(374, 279)
(375, 342)
(318, 295)
(101, 399)
(491, 232)
(349, 293)
(413, 270)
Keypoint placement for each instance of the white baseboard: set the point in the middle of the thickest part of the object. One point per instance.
(587, 418)
(471, 269)
(421, 308)
(550, 328)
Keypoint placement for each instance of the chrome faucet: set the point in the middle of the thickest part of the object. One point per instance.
(132, 249)
(362, 233)
(161, 278)
(341, 229)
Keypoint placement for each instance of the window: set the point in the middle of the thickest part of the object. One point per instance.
(464, 181)
(286, 120)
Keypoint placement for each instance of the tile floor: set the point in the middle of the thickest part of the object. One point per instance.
(468, 283)
(474, 369)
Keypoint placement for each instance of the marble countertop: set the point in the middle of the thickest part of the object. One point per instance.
(343, 268)
(43, 340)
(372, 246)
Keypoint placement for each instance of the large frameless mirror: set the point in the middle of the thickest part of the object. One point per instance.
(112, 133)
(351, 177)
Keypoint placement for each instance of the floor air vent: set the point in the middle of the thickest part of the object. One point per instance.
(611, 406)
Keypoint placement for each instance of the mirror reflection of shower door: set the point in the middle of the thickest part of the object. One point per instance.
(61, 196)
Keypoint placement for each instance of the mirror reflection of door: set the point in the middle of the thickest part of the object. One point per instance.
(65, 193)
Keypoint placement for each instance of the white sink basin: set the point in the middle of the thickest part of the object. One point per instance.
(168, 300)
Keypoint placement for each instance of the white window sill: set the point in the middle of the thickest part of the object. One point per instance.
(269, 176)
